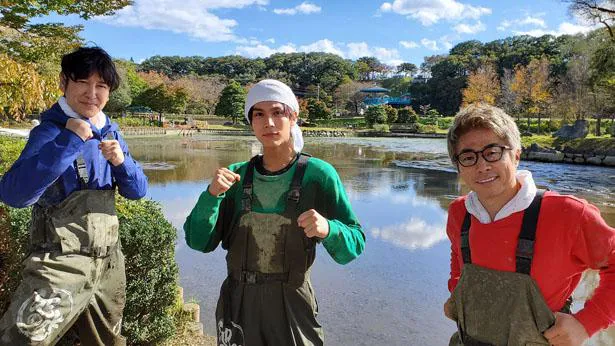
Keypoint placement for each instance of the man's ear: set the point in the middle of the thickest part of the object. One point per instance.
(293, 118)
(63, 82)
(517, 153)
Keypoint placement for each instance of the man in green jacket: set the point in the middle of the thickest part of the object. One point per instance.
(269, 214)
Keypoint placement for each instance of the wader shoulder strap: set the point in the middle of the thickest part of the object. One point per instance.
(465, 239)
(82, 172)
(248, 183)
(525, 247)
(295, 185)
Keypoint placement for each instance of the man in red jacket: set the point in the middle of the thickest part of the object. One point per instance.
(518, 253)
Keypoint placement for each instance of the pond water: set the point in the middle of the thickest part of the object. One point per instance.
(400, 190)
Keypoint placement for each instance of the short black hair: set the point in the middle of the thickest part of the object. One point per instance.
(287, 112)
(84, 61)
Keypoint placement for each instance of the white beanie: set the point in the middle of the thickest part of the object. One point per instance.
(274, 90)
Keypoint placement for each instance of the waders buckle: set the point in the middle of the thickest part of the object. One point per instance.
(248, 277)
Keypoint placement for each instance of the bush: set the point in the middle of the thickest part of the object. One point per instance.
(433, 113)
(133, 121)
(14, 237)
(381, 127)
(375, 115)
(318, 110)
(445, 123)
(10, 148)
(407, 116)
(405, 128)
(148, 243)
(427, 128)
(391, 114)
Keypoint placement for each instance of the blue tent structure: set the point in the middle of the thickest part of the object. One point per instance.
(379, 97)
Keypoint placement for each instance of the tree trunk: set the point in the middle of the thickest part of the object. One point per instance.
(598, 130)
(539, 129)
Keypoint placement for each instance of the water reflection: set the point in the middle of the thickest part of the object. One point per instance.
(399, 189)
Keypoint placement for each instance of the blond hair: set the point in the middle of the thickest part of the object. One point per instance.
(482, 116)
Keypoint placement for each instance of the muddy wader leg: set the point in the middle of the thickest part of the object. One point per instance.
(101, 322)
(53, 292)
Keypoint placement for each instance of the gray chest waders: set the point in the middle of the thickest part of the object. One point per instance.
(497, 308)
(74, 274)
(267, 298)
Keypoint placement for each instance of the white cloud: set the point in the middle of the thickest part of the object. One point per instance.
(431, 12)
(564, 28)
(527, 21)
(446, 42)
(414, 234)
(352, 50)
(192, 17)
(409, 44)
(429, 44)
(325, 45)
(263, 51)
(470, 29)
(303, 8)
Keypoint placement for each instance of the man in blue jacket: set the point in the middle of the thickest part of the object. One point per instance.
(68, 171)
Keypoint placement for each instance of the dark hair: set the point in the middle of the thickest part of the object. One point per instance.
(287, 111)
(84, 61)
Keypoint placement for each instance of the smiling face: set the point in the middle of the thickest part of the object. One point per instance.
(271, 123)
(494, 182)
(88, 96)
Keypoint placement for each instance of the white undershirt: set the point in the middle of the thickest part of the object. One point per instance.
(519, 202)
(100, 117)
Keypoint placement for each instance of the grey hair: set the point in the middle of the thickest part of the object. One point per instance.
(482, 116)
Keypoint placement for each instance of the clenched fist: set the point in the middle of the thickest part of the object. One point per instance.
(567, 331)
(313, 224)
(80, 127)
(223, 179)
(112, 151)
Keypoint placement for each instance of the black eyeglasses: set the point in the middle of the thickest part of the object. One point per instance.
(490, 153)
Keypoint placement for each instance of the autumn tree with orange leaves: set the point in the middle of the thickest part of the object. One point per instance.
(483, 86)
(531, 86)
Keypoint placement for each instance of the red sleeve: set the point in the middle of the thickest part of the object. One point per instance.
(453, 230)
(595, 247)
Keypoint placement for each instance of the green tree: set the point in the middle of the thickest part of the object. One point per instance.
(46, 41)
(407, 115)
(375, 115)
(317, 110)
(121, 97)
(231, 101)
(407, 68)
(391, 113)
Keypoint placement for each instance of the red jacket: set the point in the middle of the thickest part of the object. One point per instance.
(571, 237)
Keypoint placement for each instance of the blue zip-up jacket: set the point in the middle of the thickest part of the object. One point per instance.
(50, 154)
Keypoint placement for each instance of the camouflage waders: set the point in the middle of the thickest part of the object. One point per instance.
(267, 298)
(497, 308)
(74, 274)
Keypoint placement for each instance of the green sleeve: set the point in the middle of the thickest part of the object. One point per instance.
(200, 225)
(345, 240)
(211, 217)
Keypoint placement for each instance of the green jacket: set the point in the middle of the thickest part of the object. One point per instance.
(321, 190)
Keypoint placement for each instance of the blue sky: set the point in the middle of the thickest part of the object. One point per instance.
(394, 31)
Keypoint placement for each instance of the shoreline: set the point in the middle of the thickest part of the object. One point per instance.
(532, 153)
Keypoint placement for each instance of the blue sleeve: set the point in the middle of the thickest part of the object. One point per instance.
(48, 153)
(131, 181)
